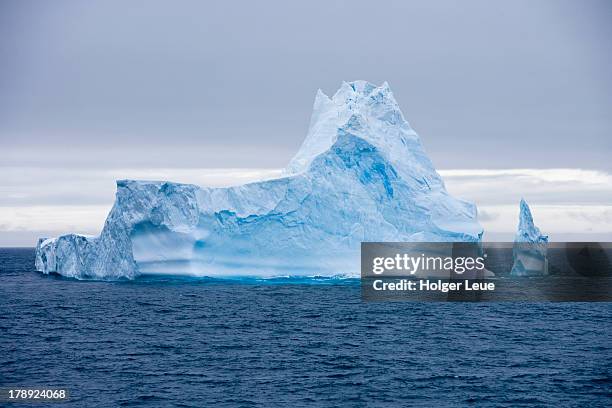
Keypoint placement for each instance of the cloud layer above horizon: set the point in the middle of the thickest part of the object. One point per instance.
(567, 203)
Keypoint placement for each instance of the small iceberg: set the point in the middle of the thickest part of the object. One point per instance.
(530, 246)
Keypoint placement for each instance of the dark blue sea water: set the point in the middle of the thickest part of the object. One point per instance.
(201, 343)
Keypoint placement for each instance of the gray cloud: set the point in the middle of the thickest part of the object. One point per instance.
(484, 216)
(210, 84)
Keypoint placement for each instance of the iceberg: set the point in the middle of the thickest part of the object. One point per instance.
(360, 175)
(530, 246)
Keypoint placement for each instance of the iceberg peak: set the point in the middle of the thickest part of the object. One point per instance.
(527, 230)
(372, 113)
(357, 95)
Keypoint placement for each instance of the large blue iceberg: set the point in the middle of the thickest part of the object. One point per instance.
(360, 175)
(530, 246)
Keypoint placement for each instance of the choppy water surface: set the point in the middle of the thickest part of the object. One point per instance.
(187, 342)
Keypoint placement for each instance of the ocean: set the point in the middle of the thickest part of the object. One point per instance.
(197, 342)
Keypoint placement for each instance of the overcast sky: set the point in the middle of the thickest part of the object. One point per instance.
(89, 86)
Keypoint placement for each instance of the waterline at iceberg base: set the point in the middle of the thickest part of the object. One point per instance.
(360, 175)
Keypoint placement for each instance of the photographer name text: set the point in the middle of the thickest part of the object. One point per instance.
(423, 285)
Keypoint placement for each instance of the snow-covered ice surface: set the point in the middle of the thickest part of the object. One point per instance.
(530, 246)
(360, 175)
